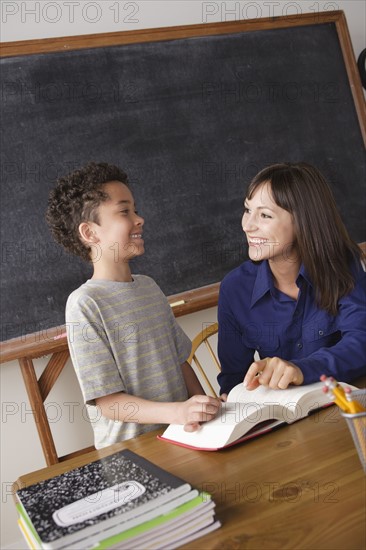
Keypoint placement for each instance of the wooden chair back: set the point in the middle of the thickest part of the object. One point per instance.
(203, 339)
(38, 390)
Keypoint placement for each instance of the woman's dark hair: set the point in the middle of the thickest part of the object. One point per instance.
(322, 240)
(75, 199)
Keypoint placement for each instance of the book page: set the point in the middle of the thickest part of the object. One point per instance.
(297, 401)
(264, 394)
(233, 421)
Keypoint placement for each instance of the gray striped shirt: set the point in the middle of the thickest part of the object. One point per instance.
(123, 337)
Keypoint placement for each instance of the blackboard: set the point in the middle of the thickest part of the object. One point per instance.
(191, 114)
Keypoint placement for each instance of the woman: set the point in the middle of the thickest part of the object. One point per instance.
(300, 301)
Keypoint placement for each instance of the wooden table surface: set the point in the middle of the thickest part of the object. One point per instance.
(301, 486)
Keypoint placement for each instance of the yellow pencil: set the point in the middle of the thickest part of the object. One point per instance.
(339, 397)
(354, 406)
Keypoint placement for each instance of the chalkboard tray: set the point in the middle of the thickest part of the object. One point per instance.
(191, 114)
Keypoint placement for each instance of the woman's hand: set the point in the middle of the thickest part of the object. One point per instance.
(273, 372)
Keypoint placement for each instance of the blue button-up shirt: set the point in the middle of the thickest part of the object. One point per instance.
(255, 316)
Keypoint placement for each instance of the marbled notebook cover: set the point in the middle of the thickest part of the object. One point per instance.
(41, 500)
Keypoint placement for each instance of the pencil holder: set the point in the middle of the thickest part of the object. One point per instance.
(357, 425)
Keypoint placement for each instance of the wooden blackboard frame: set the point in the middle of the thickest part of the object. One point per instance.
(42, 342)
(49, 45)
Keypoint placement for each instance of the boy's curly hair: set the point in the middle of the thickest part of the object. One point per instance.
(75, 200)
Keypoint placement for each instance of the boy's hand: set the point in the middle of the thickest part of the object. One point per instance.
(197, 409)
(273, 372)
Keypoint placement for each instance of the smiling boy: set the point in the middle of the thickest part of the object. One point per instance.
(128, 351)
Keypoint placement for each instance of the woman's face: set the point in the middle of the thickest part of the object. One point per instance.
(268, 227)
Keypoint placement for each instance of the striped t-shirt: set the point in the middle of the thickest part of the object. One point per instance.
(123, 337)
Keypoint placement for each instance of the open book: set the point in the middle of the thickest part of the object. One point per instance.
(247, 414)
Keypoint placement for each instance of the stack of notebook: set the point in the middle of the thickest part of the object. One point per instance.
(121, 501)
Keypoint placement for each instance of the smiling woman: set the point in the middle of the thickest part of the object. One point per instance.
(299, 300)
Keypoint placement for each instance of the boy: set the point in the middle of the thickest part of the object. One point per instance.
(128, 352)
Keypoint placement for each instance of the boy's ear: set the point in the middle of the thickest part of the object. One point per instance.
(87, 233)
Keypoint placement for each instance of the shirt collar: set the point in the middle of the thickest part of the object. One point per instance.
(303, 274)
(264, 282)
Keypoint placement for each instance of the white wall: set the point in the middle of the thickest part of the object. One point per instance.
(21, 20)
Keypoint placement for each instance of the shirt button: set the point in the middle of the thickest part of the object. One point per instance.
(299, 345)
(321, 332)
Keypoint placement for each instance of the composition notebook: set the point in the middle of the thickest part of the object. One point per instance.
(99, 499)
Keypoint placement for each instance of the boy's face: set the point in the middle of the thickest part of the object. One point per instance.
(119, 231)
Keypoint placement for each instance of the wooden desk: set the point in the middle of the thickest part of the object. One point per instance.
(300, 487)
